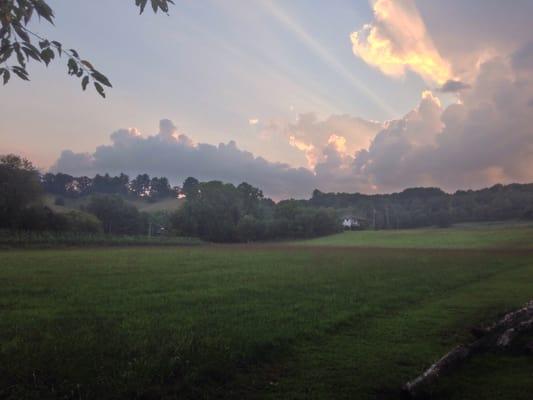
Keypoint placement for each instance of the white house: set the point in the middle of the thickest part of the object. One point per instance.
(350, 222)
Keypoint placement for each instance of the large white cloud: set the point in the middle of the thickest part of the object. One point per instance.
(397, 40)
(487, 137)
(441, 40)
(347, 134)
(467, 33)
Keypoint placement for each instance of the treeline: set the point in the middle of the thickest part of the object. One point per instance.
(222, 212)
(142, 187)
(420, 207)
(214, 211)
(22, 207)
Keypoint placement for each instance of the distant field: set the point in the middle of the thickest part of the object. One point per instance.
(252, 321)
(461, 237)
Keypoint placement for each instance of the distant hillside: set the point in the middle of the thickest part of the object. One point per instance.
(417, 207)
(413, 207)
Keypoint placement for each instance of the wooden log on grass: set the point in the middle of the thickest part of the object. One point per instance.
(510, 334)
(513, 318)
(498, 335)
(417, 386)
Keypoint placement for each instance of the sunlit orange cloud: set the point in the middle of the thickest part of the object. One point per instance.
(339, 142)
(309, 149)
(397, 40)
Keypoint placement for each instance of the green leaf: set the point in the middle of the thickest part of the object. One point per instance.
(85, 82)
(141, 4)
(44, 11)
(101, 78)
(87, 64)
(99, 88)
(21, 73)
(7, 75)
(20, 56)
(72, 66)
(58, 47)
(5, 52)
(20, 31)
(31, 52)
(47, 55)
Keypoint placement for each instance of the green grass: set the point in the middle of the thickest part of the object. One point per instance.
(463, 237)
(245, 321)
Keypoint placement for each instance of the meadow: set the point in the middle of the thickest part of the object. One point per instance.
(503, 235)
(288, 321)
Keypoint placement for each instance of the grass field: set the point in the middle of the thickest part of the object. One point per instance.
(474, 236)
(265, 322)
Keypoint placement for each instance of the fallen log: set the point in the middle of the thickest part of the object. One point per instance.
(498, 335)
(413, 388)
(510, 334)
(511, 319)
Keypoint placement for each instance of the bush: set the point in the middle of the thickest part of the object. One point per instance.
(40, 218)
(117, 216)
(82, 222)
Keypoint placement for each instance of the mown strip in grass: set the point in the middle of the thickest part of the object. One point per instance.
(464, 237)
(123, 323)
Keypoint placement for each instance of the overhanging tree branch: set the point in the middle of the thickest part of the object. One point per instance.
(17, 42)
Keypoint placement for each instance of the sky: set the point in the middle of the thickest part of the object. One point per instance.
(287, 95)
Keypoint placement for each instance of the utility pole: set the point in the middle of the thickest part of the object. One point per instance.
(374, 220)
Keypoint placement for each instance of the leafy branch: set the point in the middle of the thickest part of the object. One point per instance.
(19, 45)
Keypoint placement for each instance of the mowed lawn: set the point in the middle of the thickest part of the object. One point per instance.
(253, 321)
(474, 236)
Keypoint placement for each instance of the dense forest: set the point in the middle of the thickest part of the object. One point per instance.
(419, 207)
(223, 212)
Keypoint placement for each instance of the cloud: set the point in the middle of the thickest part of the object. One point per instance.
(313, 136)
(397, 40)
(175, 155)
(453, 86)
(468, 33)
(484, 138)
